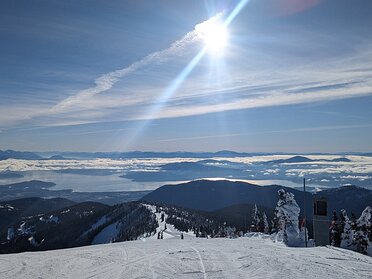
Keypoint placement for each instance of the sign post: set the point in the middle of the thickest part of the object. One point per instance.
(305, 212)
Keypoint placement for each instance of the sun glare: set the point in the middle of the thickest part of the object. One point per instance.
(215, 37)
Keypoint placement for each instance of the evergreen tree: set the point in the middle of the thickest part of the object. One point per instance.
(287, 211)
(266, 228)
(353, 221)
(255, 219)
(347, 234)
(274, 224)
(335, 231)
(341, 223)
(360, 235)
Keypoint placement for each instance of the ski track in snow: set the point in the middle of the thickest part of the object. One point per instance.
(247, 257)
(201, 262)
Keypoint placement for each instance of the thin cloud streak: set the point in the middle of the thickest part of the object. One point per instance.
(309, 129)
(84, 100)
(107, 81)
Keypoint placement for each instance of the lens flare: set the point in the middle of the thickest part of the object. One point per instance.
(215, 36)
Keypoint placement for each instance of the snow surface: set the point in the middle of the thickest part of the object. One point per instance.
(103, 220)
(246, 257)
(107, 234)
(170, 231)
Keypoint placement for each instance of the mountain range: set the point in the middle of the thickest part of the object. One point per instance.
(26, 155)
(209, 195)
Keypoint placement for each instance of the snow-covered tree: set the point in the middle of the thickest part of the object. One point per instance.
(360, 235)
(287, 211)
(256, 219)
(347, 234)
(274, 224)
(265, 223)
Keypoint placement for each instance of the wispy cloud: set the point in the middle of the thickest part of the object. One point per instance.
(307, 129)
(107, 81)
(260, 75)
(86, 99)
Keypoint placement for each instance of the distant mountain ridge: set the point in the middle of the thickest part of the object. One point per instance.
(303, 159)
(352, 198)
(8, 154)
(183, 171)
(210, 195)
(11, 154)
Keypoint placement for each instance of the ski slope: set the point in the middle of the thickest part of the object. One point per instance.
(168, 230)
(247, 257)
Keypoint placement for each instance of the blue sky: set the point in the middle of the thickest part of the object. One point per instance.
(295, 76)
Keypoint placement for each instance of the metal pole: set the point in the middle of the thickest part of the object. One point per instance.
(305, 211)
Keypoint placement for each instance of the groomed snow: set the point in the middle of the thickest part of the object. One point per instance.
(248, 257)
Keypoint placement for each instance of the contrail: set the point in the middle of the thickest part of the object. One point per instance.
(107, 81)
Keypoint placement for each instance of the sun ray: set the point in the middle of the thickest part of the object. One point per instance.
(216, 36)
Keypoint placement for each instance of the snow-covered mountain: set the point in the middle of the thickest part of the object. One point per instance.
(246, 257)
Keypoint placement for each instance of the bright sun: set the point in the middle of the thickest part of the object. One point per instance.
(215, 37)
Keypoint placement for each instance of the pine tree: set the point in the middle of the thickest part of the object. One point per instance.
(255, 219)
(274, 224)
(335, 231)
(341, 223)
(265, 224)
(347, 234)
(360, 236)
(353, 221)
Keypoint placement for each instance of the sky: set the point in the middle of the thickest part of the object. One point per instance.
(294, 76)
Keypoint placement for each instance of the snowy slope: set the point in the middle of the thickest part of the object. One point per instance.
(107, 234)
(245, 257)
(170, 231)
